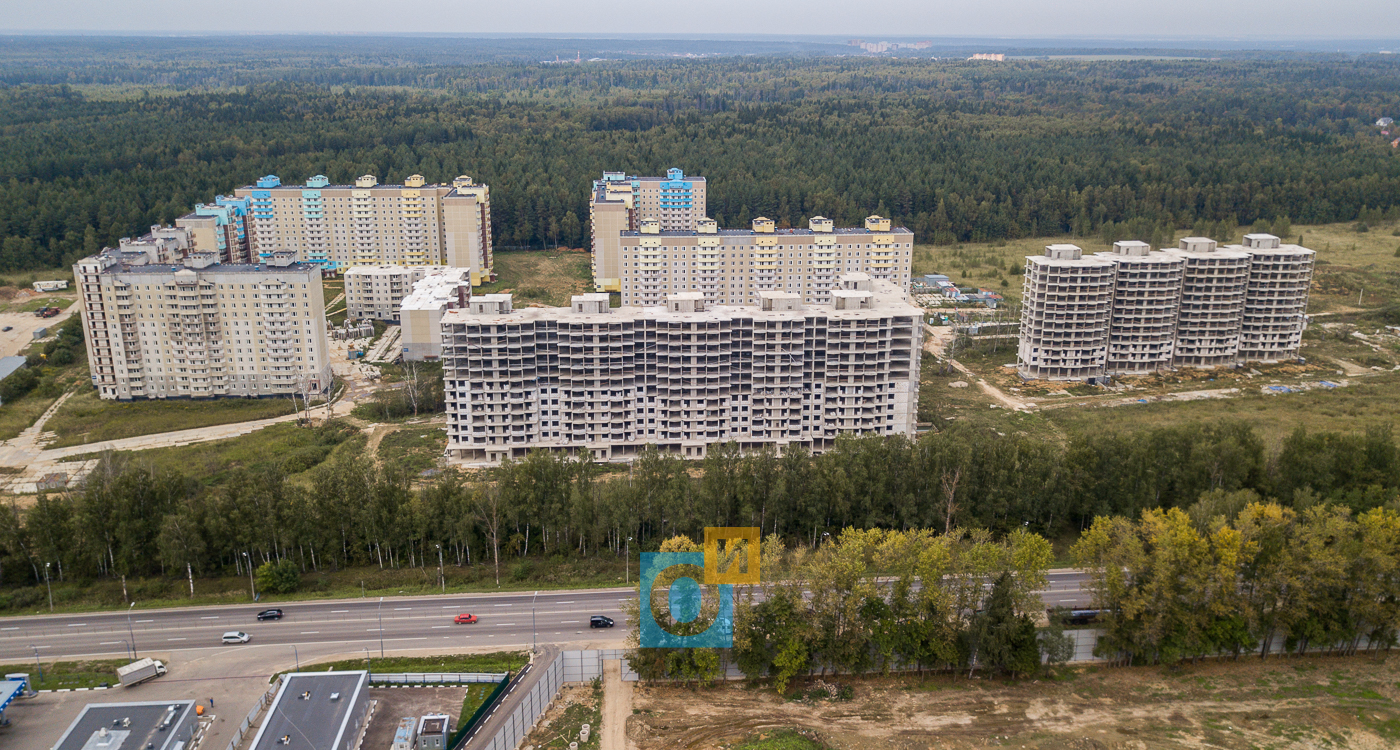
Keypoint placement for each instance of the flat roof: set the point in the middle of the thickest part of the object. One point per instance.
(774, 233)
(144, 727)
(315, 722)
(167, 269)
(8, 365)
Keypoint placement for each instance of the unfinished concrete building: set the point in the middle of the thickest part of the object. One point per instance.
(1213, 284)
(1276, 299)
(1142, 324)
(603, 383)
(1196, 305)
(1065, 314)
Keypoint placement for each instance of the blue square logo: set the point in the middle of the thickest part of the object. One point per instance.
(693, 623)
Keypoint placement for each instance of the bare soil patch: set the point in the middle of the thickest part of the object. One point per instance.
(1291, 703)
(396, 703)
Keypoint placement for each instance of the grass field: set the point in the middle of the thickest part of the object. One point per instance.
(546, 277)
(1347, 262)
(85, 418)
(413, 448)
(66, 675)
(780, 739)
(18, 415)
(499, 661)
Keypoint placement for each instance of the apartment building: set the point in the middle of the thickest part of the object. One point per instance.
(160, 245)
(162, 327)
(1134, 310)
(420, 315)
(221, 228)
(620, 203)
(733, 267)
(588, 380)
(377, 292)
(342, 226)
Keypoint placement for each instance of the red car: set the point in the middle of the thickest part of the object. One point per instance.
(465, 619)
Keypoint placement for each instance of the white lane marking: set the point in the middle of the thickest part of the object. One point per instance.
(500, 605)
(41, 647)
(110, 643)
(9, 628)
(402, 609)
(211, 617)
(174, 639)
(451, 607)
(436, 627)
(310, 632)
(373, 630)
(570, 622)
(505, 625)
(145, 620)
(339, 611)
(76, 624)
(568, 602)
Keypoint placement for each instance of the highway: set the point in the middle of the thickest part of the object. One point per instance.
(546, 617)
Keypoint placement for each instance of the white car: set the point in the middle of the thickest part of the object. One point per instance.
(235, 636)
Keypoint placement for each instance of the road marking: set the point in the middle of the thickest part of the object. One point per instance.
(41, 647)
(435, 627)
(568, 602)
(145, 620)
(310, 632)
(570, 622)
(76, 624)
(505, 625)
(374, 630)
(174, 639)
(9, 628)
(110, 643)
(402, 609)
(339, 611)
(451, 607)
(500, 605)
(211, 617)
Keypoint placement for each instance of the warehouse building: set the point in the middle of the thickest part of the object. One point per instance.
(159, 725)
(316, 711)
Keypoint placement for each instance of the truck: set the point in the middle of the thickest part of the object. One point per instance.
(50, 312)
(139, 671)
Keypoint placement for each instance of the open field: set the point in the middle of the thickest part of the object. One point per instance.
(67, 675)
(546, 277)
(414, 448)
(85, 418)
(1309, 703)
(34, 303)
(499, 661)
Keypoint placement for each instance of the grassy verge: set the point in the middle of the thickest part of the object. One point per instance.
(413, 448)
(85, 418)
(66, 675)
(547, 277)
(18, 415)
(781, 739)
(160, 593)
(499, 661)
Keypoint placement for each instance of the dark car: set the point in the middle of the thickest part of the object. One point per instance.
(270, 614)
(7, 329)
(599, 621)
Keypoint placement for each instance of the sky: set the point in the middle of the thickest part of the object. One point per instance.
(1154, 19)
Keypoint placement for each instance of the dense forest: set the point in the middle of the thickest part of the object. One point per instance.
(130, 521)
(954, 150)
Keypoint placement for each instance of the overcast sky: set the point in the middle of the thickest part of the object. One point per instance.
(1195, 19)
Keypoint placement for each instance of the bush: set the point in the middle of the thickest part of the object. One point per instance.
(279, 578)
(18, 384)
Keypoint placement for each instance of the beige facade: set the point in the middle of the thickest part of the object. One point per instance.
(1196, 305)
(593, 381)
(201, 329)
(342, 226)
(621, 203)
(733, 267)
(420, 315)
(377, 292)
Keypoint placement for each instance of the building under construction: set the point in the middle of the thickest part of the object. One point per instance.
(591, 381)
(1135, 310)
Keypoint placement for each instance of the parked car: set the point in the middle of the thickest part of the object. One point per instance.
(7, 329)
(270, 614)
(236, 636)
(464, 619)
(599, 621)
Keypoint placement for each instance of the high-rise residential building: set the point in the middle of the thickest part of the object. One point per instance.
(378, 291)
(342, 226)
(620, 203)
(589, 380)
(220, 228)
(160, 245)
(732, 266)
(420, 315)
(1134, 310)
(162, 327)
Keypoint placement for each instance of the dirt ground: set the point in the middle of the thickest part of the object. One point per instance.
(396, 703)
(1290, 703)
(575, 706)
(23, 325)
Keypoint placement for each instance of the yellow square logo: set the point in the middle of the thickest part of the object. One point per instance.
(737, 562)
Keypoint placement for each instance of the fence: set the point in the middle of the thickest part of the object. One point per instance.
(487, 707)
(523, 718)
(437, 678)
(252, 716)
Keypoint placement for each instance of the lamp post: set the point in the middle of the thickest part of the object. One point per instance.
(39, 663)
(381, 627)
(129, 631)
(369, 664)
(534, 632)
(49, 585)
(251, 590)
(441, 578)
(296, 656)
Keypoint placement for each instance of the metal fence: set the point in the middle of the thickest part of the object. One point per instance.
(437, 678)
(252, 716)
(531, 707)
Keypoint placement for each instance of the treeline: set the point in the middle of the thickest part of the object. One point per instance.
(955, 152)
(350, 512)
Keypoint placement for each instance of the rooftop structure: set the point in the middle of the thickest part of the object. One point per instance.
(316, 711)
(682, 375)
(421, 312)
(340, 226)
(159, 725)
(202, 328)
(1196, 305)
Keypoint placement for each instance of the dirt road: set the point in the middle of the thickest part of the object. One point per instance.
(617, 706)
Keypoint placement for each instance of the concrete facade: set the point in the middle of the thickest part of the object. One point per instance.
(377, 292)
(341, 226)
(1134, 310)
(683, 375)
(158, 329)
(732, 267)
(620, 203)
(420, 315)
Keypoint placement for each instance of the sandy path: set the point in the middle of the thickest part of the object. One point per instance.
(617, 706)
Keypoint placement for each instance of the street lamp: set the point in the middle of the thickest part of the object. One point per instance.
(534, 633)
(49, 585)
(296, 656)
(369, 663)
(252, 591)
(441, 579)
(36, 661)
(129, 630)
(381, 627)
